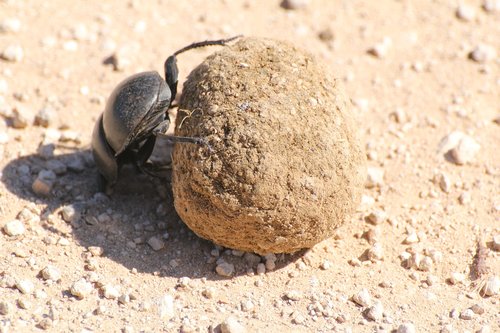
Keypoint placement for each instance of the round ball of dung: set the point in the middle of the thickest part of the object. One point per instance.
(281, 165)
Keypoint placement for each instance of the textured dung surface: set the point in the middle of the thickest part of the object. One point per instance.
(283, 167)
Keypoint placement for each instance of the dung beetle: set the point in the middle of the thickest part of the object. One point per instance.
(136, 113)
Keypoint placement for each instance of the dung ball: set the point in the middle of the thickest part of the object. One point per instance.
(281, 165)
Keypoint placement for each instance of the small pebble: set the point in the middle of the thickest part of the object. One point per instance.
(225, 269)
(465, 12)
(465, 198)
(45, 323)
(43, 118)
(51, 272)
(17, 118)
(44, 182)
(411, 238)
(491, 6)
(465, 151)
(456, 278)
(294, 4)
(261, 268)
(376, 252)
(381, 49)
(377, 217)
(362, 298)
(491, 287)
(232, 325)
(496, 242)
(110, 291)
(483, 53)
(467, 314)
(406, 328)
(477, 309)
(25, 286)
(10, 25)
(443, 181)
(14, 228)
(96, 251)
(156, 243)
(5, 308)
(375, 312)
(166, 308)
(326, 35)
(81, 288)
(13, 53)
(70, 214)
(375, 177)
(293, 295)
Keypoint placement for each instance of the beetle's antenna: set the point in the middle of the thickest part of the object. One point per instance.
(206, 43)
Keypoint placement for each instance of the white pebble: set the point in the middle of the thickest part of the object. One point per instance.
(51, 272)
(293, 295)
(459, 147)
(294, 4)
(381, 49)
(375, 177)
(406, 328)
(14, 228)
(232, 325)
(70, 45)
(491, 287)
(375, 312)
(110, 291)
(376, 252)
(81, 288)
(166, 309)
(467, 314)
(425, 264)
(491, 6)
(496, 242)
(483, 53)
(456, 278)
(25, 286)
(14, 53)
(411, 238)
(443, 181)
(377, 217)
(10, 25)
(466, 12)
(362, 298)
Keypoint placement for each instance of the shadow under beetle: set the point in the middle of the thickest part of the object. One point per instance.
(136, 113)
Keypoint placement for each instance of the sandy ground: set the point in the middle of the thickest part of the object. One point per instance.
(421, 254)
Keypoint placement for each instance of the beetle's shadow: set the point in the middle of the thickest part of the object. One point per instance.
(122, 223)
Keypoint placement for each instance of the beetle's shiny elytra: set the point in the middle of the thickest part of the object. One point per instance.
(136, 112)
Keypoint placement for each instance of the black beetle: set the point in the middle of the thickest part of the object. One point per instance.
(135, 114)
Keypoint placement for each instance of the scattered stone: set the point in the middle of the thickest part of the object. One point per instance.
(10, 25)
(58, 167)
(491, 6)
(5, 308)
(251, 258)
(51, 272)
(166, 309)
(425, 264)
(375, 177)
(377, 217)
(81, 288)
(326, 35)
(294, 4)
(44, 182)
(443, 181)
(376, 252)
(496, 242)
(293, 295)
(261, 269)
(110, 291)
(362, 298)
(465, 151)
(25, 286)
(491, 287)
(14, 228)
(13, 53)
(209, 292)
(456, 278)
(483, 53)
(156, 243)
(375, 312)
(467, 314)
(232, 325)
(465, 12)
(44, 118)
(465, 198)
(225, 269)
(325, 265)
(24, 304)
(70, 214)
(17, 119)
(381, 49)
(477, 309)
(96, 251)
(45, 324)
(406, 328)
(411, 238)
